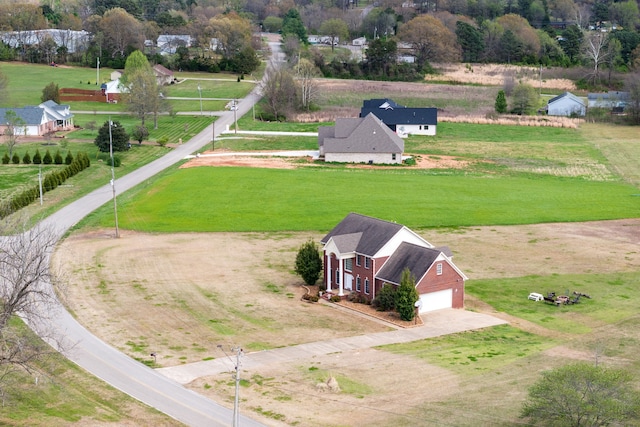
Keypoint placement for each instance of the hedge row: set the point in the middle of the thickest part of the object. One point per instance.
(38, 159)
(50, 182)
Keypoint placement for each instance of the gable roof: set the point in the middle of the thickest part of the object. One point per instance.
(362, 234)
(30, 115)
(417, 259)
(359, 135)
(566, 95)
(393, 114)
(162, 70)
(56, 111)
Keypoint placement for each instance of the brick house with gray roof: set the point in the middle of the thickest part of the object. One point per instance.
(362, 253)
(39, 120)
(360, 140)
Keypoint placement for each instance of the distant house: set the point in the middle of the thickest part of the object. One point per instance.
(167, 44)
(39, 120)
(316, 39)
(360, 140)
(566, 104)
(402, 120)
(360, 41)
(164, 76)
(73, 41)
(362, 253)
(116, 74)
(111, 90)
(608, 100)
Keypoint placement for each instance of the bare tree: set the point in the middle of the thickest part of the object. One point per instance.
(279, 91)
(25, 293)
(594, 49)
(306, 73)
(15, 127)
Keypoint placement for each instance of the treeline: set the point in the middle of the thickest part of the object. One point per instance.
(50, 181)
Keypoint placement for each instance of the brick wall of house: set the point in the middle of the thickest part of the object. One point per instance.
(449, 279)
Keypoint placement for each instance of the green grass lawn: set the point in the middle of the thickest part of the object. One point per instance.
(172, 127)
(248, 199)
(13, 177)
(614, 298)
(475, 352)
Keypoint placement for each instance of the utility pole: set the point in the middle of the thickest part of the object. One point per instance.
(40, 183)
(98, 71)
(113, 179)
(235, 115)
(236, 409)
(200, 92)
(213, 134)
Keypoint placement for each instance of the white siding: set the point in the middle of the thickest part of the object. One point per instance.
(403, 130)
(378, 158)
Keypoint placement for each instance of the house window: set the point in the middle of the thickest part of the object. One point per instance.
(366, 286)
(420, 127)
(367, 262)
(337, 276)
(358, 284)
(358, 260)
(439, 268)
(393, 156)
(426, 127)
(348, 264)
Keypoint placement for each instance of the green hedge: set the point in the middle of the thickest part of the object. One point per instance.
(50, 182)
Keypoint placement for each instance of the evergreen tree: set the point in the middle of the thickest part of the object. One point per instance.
(119, 136)
(406, 296)
(68, 159)
(292, 24)
(37, 159)
(47, 159)
(15, 159)
(501, 103)
(470, 40)
(309, 263)
(26, 159)
(57, 158)
(6, 159)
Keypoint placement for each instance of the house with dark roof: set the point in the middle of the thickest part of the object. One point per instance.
(402, 120)
(360, 140)
(566, 104)
(611, 99)
(362, 253)
(39, 120)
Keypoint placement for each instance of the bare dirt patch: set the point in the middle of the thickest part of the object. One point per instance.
(181, 294)
(277, 162)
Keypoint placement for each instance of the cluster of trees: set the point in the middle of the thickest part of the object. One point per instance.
(38, 159)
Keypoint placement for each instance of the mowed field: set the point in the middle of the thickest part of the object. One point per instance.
(166, 287)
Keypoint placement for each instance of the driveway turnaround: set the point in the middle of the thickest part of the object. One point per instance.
(441, 322)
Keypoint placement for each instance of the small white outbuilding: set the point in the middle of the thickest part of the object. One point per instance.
(566, 104)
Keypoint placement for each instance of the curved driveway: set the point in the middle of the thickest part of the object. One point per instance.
(66, 335)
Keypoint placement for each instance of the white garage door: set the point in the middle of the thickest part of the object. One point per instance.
(436, 300)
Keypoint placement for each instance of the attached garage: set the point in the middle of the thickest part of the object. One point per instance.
(436, 300)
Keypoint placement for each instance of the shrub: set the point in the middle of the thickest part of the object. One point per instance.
(37, 159)
(308, 263)
(26, 159)
(310, 297)
(15, 159)
(335, 298)
(5, 159)
(57, 158)
(68, 159)
(385, 300)
(47, 159)
(162, 141)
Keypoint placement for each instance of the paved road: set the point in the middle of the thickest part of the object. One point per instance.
(65, 334)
